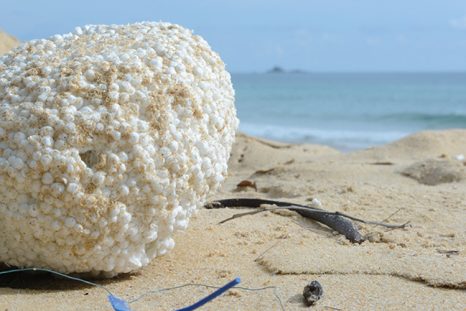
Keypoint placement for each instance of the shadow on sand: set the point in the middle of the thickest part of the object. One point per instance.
(41, 280)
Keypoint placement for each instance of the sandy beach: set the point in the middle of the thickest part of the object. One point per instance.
(421, 267)
(420, 179)
(7, 42)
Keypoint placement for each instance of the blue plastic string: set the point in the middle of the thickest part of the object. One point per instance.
(212, 296)
(161, 290)
(119, 304)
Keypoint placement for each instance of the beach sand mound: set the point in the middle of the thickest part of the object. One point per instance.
(422, 145)
(416, 268)
(7, 42)
(433, 172)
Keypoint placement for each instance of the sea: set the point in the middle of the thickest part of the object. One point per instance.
(348, 111)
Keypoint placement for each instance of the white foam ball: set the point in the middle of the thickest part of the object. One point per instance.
(110, 138)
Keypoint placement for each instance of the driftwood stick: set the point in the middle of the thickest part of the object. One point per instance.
(257, 211)
(375, 223)
(338, 221)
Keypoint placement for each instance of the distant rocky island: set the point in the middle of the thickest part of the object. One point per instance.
(278, 69)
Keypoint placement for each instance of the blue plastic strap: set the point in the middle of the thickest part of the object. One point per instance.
(118, 304)
(212, 296)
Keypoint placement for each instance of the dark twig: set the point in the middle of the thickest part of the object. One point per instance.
(257, 211)
(263, 253)
(338, 221)
(448, 252)
(375, 223)
(391, 215)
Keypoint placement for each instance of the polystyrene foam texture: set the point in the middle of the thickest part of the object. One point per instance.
(110, 138)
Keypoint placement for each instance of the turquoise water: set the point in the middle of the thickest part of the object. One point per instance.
(348, 111)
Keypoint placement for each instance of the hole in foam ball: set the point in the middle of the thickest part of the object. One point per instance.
(151, 249)
(90, 158)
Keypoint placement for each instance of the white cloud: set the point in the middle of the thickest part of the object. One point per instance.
(458, 23)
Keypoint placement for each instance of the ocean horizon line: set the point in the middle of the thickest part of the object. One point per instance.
(303, 71)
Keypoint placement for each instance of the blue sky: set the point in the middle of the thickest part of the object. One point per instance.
(325, 35)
